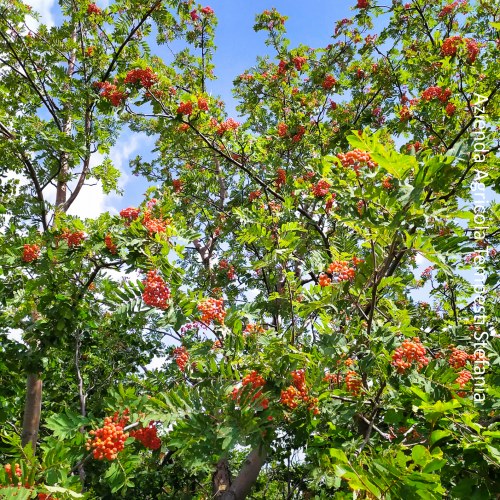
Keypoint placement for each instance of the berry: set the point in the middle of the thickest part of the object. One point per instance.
(321, 188)
(177, 185)
(252, 329)
(30, 252)
(229, 124)
(282, 129)
(254, 195)
(212, 309)
(208, 11)
(146, 77)
(458, 358)
(109, 440)
(130, 214)
(362, 4)
(181, 357)
(148, 436)
(185, 108)
(409, 352)
(280, 177)
(340, 270)
(110, 92)
(353, 382)
(450, 45)
(93, 9)
(109, 244)
(154, 225)
(324, 280)
(202, 104)
(156, 293)
(298, 393)
(463, 378)
(356, 159)
(298, 62)
(328, 82)
(73, 239)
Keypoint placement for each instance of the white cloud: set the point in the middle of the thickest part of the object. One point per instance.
(91, 201)
(44, 8)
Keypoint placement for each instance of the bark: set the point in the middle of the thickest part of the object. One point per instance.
(221, 478)
(247, 476)
(32, 410)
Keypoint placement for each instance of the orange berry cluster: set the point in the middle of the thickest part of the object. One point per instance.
(252, 329)
(353, 382)
(256, 381)
(436, 92)
(463, 378)
(212, 309)
(458, 358)
(30, 252)
(298, 392)
(229, 124)
(93, 9)
(329, 82)
(73, 239)
(185, 108)
(181, 357)
(356, 159)
(254, 195)
(154, 225)
(130, 213)
(109, 440)
(177, 185)
(17, 471)
(109, 244)
(148, 436)
(156, 293)
(386, 182)
(321, 188)
(110, 92)
(282, 129)
(410, 351)
(333, 378)
(280, 177)
(450, 45)
(146, 77)
(341, 271)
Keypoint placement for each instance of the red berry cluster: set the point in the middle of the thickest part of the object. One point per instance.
(130, 213)
(181, 357)
(386, 182)
(472, 49)
(252, 329)
(202, 104)
(362, 4)
(229, 124)
(73, 239)
(324, 280)
(256, 381)
(404, 113)
(282, 129)
(436, 92)
(450, 45)
(463, 378)
(333, 378)
(356, 159)
(298, 62)
(109, 440)
(341, 271)
(93, 9)
(410, 351)
(301, 130)
(212, 309)
(154, 225)
(146, 77)
(31, 252)
(185, 108)
(298, 393)
(458, 358)
(448, 9)
(280, 177)
(109, 244)
(329, 82)
(254, 195)
(353, 382)
(156, 293)
(450, 109)
(148, 436)
(177, 185)
(427, 273)
(321, 188)
(17, 471)
(110, 92)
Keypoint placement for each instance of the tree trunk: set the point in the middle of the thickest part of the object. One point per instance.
(245, 480)
(221, 478)
(32, 410)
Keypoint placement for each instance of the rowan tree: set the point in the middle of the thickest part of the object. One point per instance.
(277, 251)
